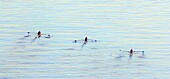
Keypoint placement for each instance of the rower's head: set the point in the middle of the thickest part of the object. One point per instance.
(28, 32)
(75, 41)
(48, 35)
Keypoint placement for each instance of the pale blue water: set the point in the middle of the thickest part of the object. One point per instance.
(117, 24)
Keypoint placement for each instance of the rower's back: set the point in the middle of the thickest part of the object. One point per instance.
(85, 39)
(39, 34)
(131, 51)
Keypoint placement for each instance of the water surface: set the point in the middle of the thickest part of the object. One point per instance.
(118, 25)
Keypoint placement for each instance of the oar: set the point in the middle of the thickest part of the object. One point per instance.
(129, 51)
(36, 33)
(133, 51)
(83, 44)
(34, 39)
(138, 51)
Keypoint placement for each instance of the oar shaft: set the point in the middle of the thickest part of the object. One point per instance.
(138, 51)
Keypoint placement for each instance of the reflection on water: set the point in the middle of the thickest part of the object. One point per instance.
(116, 25)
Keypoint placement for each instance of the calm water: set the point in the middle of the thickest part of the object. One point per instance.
(117, 24)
